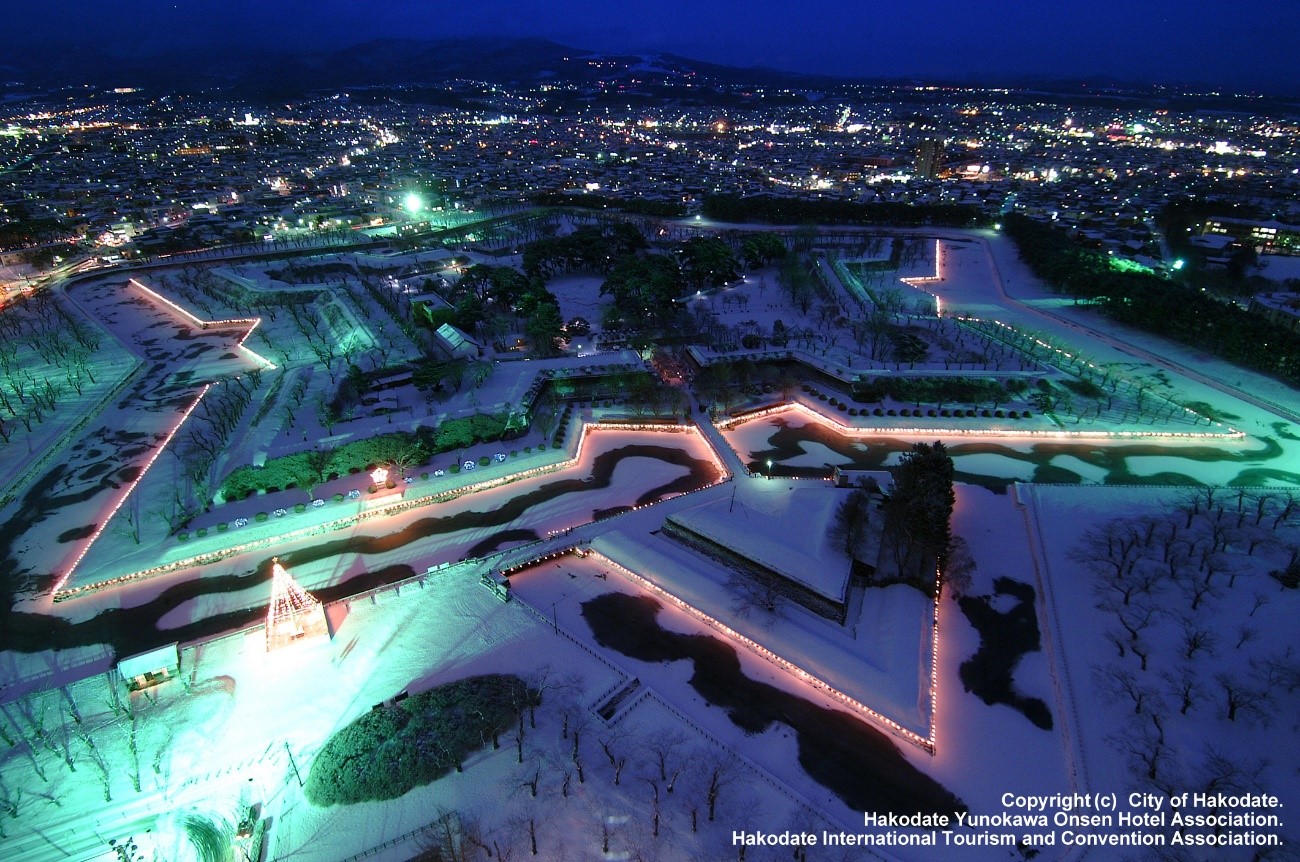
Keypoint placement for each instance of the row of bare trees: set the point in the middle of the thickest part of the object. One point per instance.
(49, 735)
(204, 440)
(1187, 650)
(46, 352)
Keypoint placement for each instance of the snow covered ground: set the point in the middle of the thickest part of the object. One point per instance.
(1151, 710)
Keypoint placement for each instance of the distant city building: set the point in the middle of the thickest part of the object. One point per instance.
(1270, 237)
(929, 158)
(1281, 308)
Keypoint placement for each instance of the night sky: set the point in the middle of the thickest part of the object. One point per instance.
(1246, 43)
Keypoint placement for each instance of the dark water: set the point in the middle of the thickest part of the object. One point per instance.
(853, 760)
(787, 441)
(1004, 639)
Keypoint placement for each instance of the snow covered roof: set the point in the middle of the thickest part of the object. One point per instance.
(757, 525)
(456, 342)
(148, 662)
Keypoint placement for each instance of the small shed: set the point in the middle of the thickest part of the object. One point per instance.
(150, 668)
(456, 343)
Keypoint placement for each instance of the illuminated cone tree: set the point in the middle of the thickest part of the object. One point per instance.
(294, 614)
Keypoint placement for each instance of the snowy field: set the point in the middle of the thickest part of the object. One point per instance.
(1190, 684)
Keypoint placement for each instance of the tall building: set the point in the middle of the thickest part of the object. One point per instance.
(929, 158)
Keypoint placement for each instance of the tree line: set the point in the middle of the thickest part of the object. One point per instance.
(400, 449)
(634, 206)
(780, 210)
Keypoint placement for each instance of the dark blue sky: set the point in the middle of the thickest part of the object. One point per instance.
(1242, 43)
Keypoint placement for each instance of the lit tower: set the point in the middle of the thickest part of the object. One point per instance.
(929, 158)
(294, 614)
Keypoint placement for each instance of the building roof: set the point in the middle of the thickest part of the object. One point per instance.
(456, 342)
(148, 662)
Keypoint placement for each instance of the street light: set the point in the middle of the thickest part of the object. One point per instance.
(769, 468)
(413, 203)
(1179, 264)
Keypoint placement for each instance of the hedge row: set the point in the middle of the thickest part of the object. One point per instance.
(400, 745)
(305, 469)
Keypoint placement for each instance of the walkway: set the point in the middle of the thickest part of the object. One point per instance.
(728, 456)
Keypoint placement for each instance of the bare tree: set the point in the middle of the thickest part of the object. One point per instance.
(445, 838)
(1197, 639)
(1114, 552)
(755, 595)
(1143, 742)
(656, 793)
(1220, 773)
(669, 753)
(1242, 697)
(1196, 591)
(615, 744)
(1277, 672)
(10, 800)
(101, 765)
(1183, 687)
(719, 772)
(1116, 683)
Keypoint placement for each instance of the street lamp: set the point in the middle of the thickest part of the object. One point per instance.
(413, 203)
(769, 468)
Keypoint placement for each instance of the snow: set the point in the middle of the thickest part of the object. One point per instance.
(756, 523)
(1089, 473)
(1106, 725)
(670, 680)
(1279, 267)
